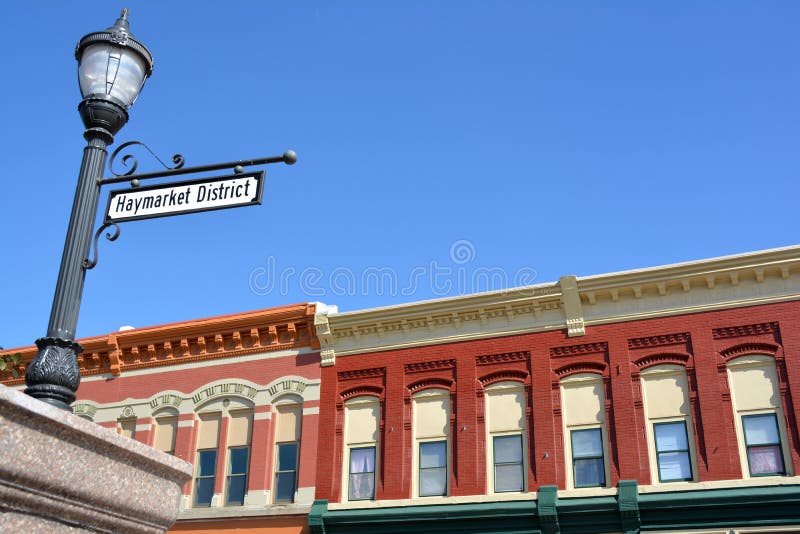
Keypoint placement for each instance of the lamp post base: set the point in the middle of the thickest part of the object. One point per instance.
(53, 375)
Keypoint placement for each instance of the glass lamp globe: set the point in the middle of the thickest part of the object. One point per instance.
(112, 69)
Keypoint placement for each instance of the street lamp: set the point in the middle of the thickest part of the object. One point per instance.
(113, 67)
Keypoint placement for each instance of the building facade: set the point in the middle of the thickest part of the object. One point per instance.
(659, 400)
(237, 396)
(654, 400)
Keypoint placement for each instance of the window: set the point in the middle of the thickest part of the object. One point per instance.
(361, 440)
(507, 463)
(239, 426)
(672, 451)
(206, 464)
(505, 422)
(287, 449)
(127, 428)
(760, 426)
(588, 466)
(166, 429)
(286, 472)
(432, 468)
(665, 394)
(432, 433)
(206, 476)
(763, 443)
(583, 411)
(362, 474)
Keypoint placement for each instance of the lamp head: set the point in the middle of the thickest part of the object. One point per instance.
(112, 69)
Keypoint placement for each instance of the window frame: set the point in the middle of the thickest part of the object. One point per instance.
(779, 444)
(687, 451)
(229, 475)
(279, 471)
(198, 477)
(602, 457)
(446, 466)
(373, 472)
(521, 462)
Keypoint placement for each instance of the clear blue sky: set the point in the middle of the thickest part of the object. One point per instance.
(439, 142)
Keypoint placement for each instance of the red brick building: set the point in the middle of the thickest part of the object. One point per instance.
(237, 396)
(660, 399)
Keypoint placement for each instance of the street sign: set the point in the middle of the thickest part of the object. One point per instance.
(178, 198)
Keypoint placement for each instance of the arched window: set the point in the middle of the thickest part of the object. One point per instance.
(665, 391)
(223, 439)
(166, 428)
(362, 415)
(432, 442)
(585, 434)
(506, 436)
(288, 429)
(760, 426)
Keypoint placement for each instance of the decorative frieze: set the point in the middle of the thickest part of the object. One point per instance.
(745, 330)
(362, 373)
(429, 366)
(575, 350)
(506, 357)
(658, 341)
(228, 388)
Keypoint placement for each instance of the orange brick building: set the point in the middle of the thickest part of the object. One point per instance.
(237, 396)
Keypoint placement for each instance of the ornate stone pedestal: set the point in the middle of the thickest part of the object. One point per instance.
(60, 473)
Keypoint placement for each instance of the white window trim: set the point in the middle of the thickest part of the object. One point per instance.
(756, 361)
(573, 381)
(361, 400)
(501, 387)
(650, 422)
(430, 394)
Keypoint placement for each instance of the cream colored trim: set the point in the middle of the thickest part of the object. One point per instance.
(754, 361)
(311, 411)
(490, 391)
(586, 492)
(430, 501)
(720, 484)
(762, 277)
(655, 372)
(571, 302)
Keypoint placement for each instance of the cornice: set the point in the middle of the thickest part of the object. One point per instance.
(269, 330)
(572, 304)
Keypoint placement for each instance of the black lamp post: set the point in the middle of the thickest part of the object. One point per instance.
(112, 68)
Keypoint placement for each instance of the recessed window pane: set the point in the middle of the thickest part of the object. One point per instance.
(507, 449)
(674, 466)
(237, 486)
(207, 463)
(765, 460)
(761, 429)
(671, 437)
(204, 491)
(362, 486)
(432, 454)
(508, 477)
(287, 456)
(238, 459)
(362, 460)
(433, 481)
(284, 492)
(587, 443)
(589, 473)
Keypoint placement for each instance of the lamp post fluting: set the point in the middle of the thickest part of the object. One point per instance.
(113, 67)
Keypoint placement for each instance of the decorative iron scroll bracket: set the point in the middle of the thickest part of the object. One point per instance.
(289, 157)
(130, 159)
(90, 264)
